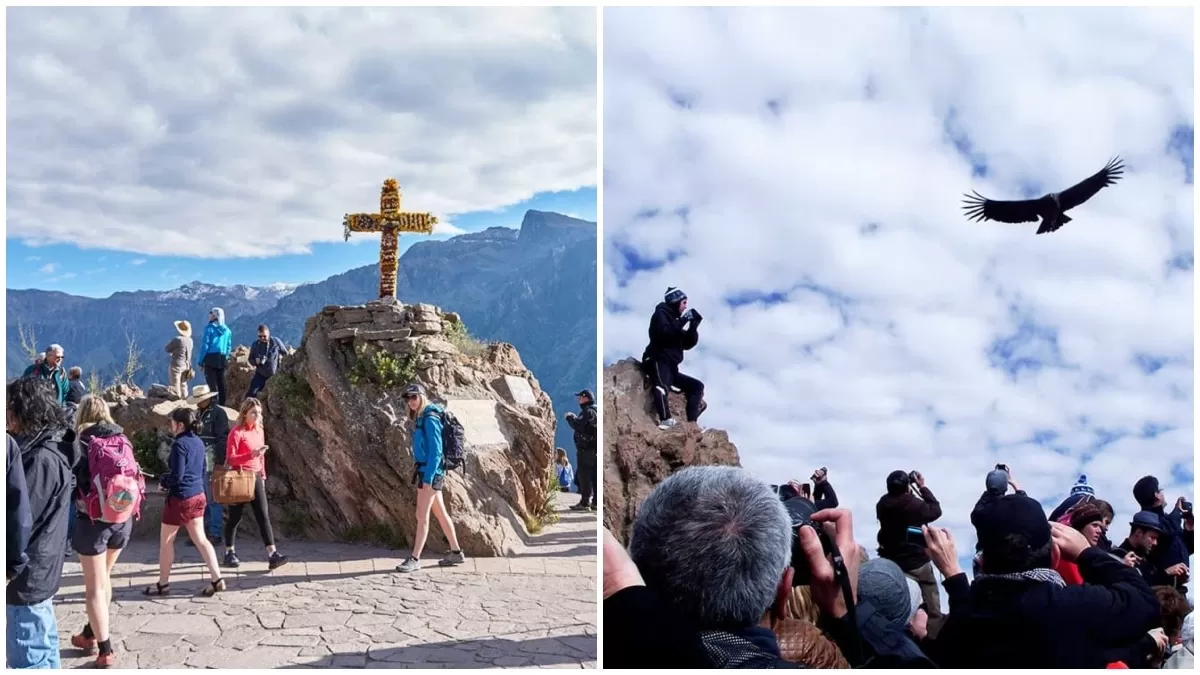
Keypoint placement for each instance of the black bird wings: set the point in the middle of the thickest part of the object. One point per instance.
(1088, 187)
(980, 208)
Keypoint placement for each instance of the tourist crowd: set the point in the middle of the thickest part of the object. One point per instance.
(723, 570)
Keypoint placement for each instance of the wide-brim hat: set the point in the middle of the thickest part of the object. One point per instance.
(184, 328)
(200, 392)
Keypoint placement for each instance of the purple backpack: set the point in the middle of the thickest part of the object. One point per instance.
(117, 484)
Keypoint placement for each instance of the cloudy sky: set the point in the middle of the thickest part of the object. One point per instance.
(799, 174)
(148, 147)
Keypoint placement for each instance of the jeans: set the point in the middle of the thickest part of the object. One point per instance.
(256, 385)
(32, 636)
(213, 513)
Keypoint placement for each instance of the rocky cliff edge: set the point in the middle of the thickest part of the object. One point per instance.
(637, 454)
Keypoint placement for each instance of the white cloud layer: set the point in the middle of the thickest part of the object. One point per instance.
(818, 157)
(250, 132)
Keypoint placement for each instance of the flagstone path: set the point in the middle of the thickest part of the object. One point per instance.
(345, 606)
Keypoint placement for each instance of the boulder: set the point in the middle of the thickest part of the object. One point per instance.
(159, 391)
(638, 455)
(341, 464)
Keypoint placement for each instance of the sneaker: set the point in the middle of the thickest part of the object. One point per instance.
(87, 644)
(276, 561)
(453, 558)
(410, 564)
(667, 424)
(231, 560)
(592, 508)
(579, 507)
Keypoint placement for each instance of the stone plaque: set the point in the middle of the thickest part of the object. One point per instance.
(519, 391)
(478, 417)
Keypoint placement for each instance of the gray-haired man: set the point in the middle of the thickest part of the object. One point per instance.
(50, 368)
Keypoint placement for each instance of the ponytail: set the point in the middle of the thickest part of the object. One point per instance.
(190, 419)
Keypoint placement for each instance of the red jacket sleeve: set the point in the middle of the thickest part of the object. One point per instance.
(236, 451)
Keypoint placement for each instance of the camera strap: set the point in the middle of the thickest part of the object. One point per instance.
(841, 577)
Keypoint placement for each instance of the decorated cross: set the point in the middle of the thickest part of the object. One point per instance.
(390, 221)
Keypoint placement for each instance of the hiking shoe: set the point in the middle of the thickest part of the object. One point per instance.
(579, 507)
(106, 660)
(453, 558)
(410, 564)
(231, 560)
(87, 644)
(667, 424)
(276, 561)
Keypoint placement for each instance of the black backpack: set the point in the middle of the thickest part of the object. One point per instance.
(453, 445)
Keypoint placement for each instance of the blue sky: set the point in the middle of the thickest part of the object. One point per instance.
(799, 172)
(99, 272)
(122, 175)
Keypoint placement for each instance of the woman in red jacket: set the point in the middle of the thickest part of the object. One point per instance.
(244, 450)
(1092, 519)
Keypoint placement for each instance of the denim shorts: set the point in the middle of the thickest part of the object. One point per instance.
(32, 636)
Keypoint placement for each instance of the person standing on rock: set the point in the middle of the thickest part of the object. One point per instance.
(584, 425)
(97, 543)
(265, 354)
(185, 503)
(429, 477)
(215, 349)
(245, 449)
(672, 332)
(180, 349)
(214, 431)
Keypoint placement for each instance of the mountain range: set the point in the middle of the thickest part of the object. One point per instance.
(534, 288)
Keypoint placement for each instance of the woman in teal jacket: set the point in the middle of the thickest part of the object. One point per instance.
(214, 351)
(429, 478)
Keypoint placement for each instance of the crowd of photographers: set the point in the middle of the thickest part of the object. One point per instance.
(725, 571)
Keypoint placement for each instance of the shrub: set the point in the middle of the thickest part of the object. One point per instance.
(382, 368)
(456, 334)
(145, 450)
(543, 514)
(293, 392)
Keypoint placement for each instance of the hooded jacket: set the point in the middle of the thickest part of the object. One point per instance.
(668, 338)
(584, 425)
(218, 339)
(427, 444)
(48, 478)
(20, 522)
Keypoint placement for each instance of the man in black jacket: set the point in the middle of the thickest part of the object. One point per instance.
(215, 434)
(672, 332)
(1145, 535)
(36, 421)
(584, 425)
(897, 511)
(1020, 614)
(1178, 540)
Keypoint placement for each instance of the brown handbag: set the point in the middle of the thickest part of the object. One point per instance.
(232, 486)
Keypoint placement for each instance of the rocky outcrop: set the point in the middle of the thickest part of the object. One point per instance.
(341, 464)
(637, 454)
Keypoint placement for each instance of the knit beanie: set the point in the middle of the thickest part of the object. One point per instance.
(1081, 487)
(883, 584)
(1085, 515)
(674, 296)
(1144, 491)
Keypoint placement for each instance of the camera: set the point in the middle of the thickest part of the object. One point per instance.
(1186, 506)
(912, 477)
(800, 510)
(914, 535)
(821, 472)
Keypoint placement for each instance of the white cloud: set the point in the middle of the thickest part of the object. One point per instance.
(810, 153)
(247, 132)
(48, 268)
(137, 261)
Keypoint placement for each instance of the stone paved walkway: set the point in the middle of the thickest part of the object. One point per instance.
(344, 606)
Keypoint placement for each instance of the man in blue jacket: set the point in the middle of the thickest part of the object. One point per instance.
(1177, 542)
(265, 355)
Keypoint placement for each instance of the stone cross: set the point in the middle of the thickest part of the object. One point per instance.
(390, 221)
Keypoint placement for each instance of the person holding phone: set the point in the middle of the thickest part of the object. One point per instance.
(244, 450)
